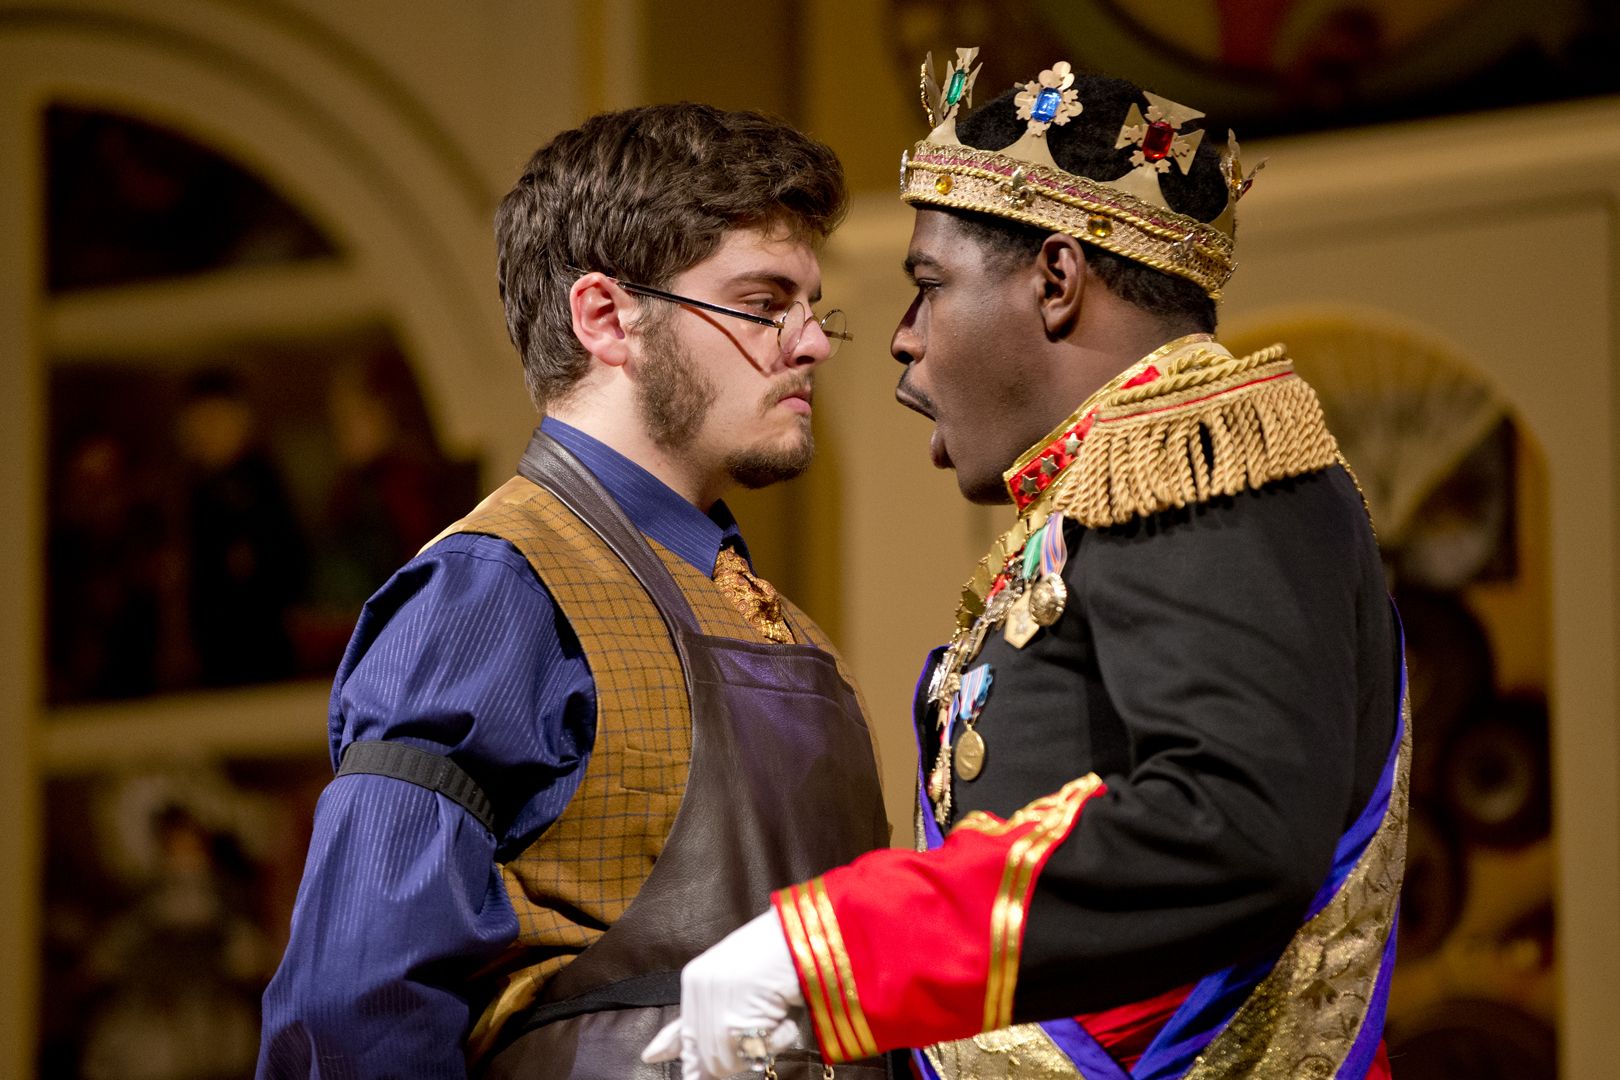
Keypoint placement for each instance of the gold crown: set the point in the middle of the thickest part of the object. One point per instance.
(1128, 216)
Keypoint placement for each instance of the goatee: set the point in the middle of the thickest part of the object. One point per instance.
(674, 398)
(762, 468)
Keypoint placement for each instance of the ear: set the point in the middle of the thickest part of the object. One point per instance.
(600, 311)
(1061, 265)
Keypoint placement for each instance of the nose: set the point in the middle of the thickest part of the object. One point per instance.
(907, 344)
(812, 349)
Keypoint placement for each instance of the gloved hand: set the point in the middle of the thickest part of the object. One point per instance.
(745, 983)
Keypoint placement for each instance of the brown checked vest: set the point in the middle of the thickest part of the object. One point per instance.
(730, 764)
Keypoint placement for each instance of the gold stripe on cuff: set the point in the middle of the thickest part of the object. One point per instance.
(815, 933)
(864, 1042)
(798, 940)
(1053, 817)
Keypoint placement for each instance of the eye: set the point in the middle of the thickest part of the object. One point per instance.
(926, 286)
(766, 305)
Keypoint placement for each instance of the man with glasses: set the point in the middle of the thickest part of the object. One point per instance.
(578, 740)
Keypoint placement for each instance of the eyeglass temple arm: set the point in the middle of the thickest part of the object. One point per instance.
(762, 320)
(718, 309)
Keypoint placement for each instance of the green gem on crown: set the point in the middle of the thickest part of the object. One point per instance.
(953, 93)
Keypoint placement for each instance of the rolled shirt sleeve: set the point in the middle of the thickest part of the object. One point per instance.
(464, 653)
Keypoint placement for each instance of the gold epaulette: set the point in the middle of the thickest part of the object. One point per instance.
(1211, 425)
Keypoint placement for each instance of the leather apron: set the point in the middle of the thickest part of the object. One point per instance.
(782, 787)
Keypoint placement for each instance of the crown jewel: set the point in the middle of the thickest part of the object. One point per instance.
(943, 99)
(1128, 216)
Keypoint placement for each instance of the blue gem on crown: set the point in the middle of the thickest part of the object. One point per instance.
(1046, 106)
(1046, 100)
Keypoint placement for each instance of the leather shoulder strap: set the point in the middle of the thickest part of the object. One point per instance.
(548, 464)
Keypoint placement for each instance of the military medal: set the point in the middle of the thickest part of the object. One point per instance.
(1042, 603)
(1046, 600)
(975, 639)
(937, 779)
(969, 703)
(997, 607)
(970, 755)
(1021, 625)
(938, 677)
(1049, 594)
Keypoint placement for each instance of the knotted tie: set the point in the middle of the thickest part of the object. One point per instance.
(755, 597)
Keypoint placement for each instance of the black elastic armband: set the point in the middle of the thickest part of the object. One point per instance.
(436, 772)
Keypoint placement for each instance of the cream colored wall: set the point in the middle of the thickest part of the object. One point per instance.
(398, 125)
(394, 126)
(907, 540)
(1501, 234)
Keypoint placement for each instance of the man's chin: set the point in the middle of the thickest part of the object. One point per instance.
(983, 490)
(764, 466)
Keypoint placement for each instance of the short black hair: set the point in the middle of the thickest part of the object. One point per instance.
(1085, 146)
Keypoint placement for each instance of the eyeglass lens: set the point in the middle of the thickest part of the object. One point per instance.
(794, 320)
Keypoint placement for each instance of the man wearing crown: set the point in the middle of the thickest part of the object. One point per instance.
(1163, 755)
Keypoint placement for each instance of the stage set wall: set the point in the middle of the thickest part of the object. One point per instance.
(398, 126)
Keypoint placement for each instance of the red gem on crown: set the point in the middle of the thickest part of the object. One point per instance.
(1158, 140)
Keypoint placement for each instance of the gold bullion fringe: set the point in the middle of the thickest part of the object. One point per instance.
(1146, 451)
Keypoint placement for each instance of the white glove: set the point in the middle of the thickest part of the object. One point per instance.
(745, 983)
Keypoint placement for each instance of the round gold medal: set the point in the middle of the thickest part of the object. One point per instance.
(969, 755)
(1047, 599)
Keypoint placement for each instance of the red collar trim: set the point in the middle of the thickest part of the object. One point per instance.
(1043, 468)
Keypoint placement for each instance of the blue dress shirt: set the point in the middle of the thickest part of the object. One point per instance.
(462, 652)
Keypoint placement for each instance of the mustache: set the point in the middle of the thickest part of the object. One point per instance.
(911, 397)
(792, 386)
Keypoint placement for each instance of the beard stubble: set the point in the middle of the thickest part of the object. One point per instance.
(675, 398)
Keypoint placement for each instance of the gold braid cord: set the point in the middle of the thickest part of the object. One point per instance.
(964, 178)
(1211, 425)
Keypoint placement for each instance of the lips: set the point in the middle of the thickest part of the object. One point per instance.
(795, 397)
(912, 400)
(937, 453)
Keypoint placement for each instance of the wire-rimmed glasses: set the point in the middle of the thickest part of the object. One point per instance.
(789, 325)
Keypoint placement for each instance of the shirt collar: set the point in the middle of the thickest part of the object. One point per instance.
(652, 505)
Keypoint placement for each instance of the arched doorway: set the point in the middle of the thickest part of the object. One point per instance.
(395, 270)
(1457, 489)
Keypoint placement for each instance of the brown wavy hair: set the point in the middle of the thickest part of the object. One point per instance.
(643, 195)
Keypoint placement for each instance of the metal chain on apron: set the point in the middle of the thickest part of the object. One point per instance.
(770, 1069)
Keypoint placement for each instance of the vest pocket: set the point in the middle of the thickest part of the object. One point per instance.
(652, 772)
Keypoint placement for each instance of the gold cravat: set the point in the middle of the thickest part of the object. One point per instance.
(754, 597)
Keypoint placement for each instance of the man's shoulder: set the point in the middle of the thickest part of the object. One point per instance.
(459, 548)
(510, 511)
(1324, 504)
(458, 572)
(1209, 426)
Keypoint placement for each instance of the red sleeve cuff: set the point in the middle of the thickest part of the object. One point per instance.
(902, 948)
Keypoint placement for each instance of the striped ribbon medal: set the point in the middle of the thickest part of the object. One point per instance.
(1049, 595)
(966, 701)
(969, 703)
